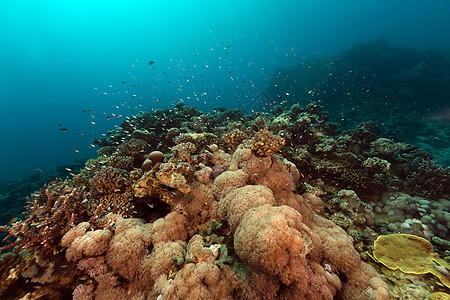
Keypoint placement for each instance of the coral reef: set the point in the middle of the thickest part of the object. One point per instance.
(167, 211)
(402, 90)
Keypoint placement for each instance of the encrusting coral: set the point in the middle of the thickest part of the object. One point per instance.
(166, 212)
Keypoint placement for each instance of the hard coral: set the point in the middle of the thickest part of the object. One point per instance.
(411, 254)
(233, 139)
(116, 203)
(49, 217)
(156, 156)
(168, 186)
(376, 165)
(423, 175)
(170, 176)
(121, 162)
(279, 245)
(385, 146)
(200, 140)
(264, 143)
(135, 148)
(111, 191)
(348, 211)
(198, 252)
(183, 152)
(109, 180)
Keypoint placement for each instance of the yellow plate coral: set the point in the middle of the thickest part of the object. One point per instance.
(438, 296)
(410, 254)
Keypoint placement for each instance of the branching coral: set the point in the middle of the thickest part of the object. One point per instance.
(111, 191)
(116, 203)
(264, 143)
(133, 147)
(200, 140)
(233, 139)
(423, 175)
(376, 165)
(49, 217)
(385, 146)
(121, 162)
(109, 180)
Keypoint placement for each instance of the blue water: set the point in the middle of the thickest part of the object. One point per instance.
(59, 58)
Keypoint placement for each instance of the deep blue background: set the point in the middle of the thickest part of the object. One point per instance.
(58, 58)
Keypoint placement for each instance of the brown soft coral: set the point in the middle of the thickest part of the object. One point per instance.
(92, 243)
(136, 252)
(161, 259)
(337, 244)
(202, 205)
(202, 281)
(128, 248)
(128, 253)
(271, 239)
(170, 228)
(363, 282)
(278, 176)
(233, 206)
(274, 240)
(228, 181)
